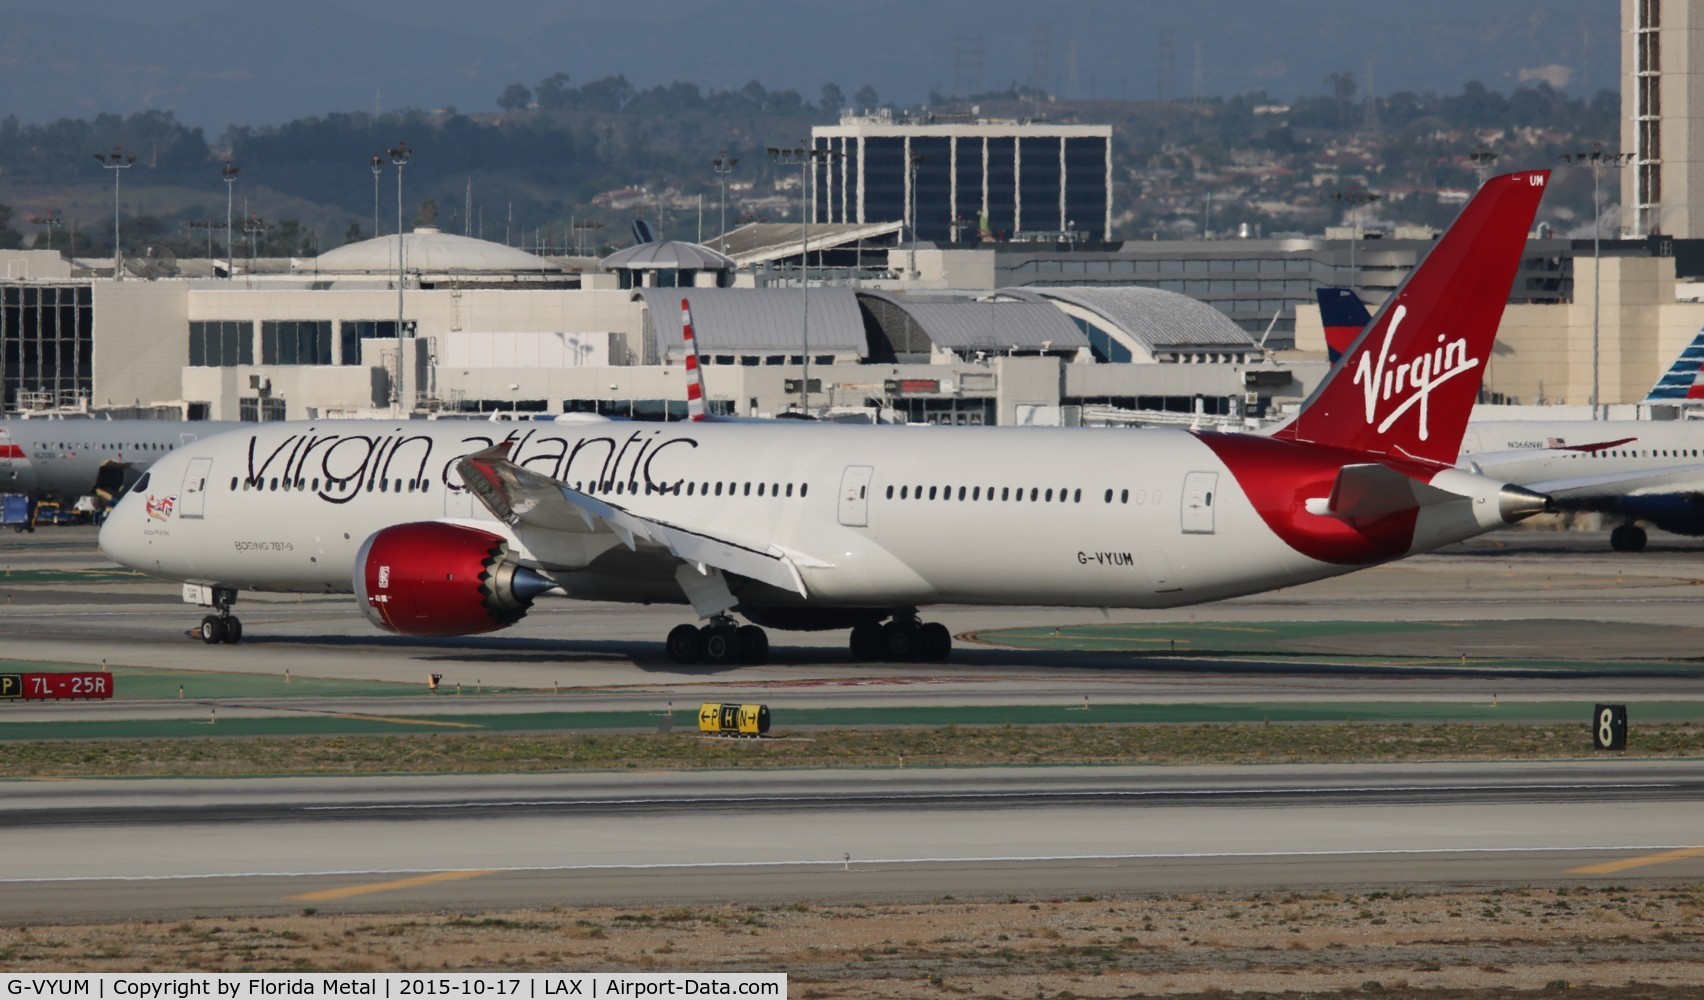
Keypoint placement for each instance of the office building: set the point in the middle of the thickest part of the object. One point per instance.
(961, 179)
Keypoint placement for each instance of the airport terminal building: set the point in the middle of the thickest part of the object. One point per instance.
(478, 327)
(1041, 334)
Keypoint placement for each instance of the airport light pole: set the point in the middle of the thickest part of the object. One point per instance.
(50, 222)
(1483, 160)
(207, 226)
(254, 225)
(399, 156)
(229, 172)
(116, 161)
(378, 168)
(581, 228)
(724, 165)
(805, 157)
(912, 164)
(1597, 159)
(1355, 198)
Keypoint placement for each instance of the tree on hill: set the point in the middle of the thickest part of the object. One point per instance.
(10, 239)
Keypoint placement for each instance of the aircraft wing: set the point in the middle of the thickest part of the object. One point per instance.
(517, 496)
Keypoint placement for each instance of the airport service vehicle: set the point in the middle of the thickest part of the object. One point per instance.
(17, 512)
(1648, 471)
(454, 529)
(74, 457)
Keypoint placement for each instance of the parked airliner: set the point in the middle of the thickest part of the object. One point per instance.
(1670, 453)
(451, 529)
(72, 457)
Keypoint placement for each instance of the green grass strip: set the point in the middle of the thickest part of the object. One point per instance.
(937, 746)
(203, 720)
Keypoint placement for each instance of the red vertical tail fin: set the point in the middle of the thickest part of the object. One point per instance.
(694, 373)
(1407, 386)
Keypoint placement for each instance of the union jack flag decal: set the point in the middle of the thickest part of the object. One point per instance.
(162, 508)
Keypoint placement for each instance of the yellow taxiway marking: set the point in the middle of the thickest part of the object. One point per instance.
(1611, 867)
(403, 883)
(408, 722)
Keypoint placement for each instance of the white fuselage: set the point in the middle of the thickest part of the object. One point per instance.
(871, 515)
(1654, 444)
(63, 457)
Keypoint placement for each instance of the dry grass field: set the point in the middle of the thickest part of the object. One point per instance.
(1597, 942)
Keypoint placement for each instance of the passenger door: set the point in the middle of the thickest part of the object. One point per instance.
(855, 495)
(192, 497)
(1198, 490)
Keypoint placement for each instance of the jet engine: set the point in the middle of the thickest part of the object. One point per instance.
(433, 578)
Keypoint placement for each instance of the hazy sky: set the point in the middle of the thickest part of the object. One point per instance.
(215, 63)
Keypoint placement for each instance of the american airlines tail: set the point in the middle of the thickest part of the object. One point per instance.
(1685, 378)
(695, 397)
(1406, 387)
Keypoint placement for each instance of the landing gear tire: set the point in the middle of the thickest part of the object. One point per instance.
(934, 642)
(233, 631)
(752, 644)
(899, 640)
(686, 644)
(721, 644)
(212, 630)
(1627, 538)
(868, 644)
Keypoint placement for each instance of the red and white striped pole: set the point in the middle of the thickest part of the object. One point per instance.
(694, 374)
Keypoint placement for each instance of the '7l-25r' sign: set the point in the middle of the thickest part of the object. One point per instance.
(89, 684)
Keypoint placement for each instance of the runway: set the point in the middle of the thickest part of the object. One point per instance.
(167, 849)
(98, 850)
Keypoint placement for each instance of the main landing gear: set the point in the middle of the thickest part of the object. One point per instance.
(722, 641)
(222, 627)
(902, 639)
(1628, 537)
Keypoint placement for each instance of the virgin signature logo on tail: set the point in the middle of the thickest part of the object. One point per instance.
(1413, 372)
(1411, 381)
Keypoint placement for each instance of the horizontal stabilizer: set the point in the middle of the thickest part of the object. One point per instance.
(1373, 490)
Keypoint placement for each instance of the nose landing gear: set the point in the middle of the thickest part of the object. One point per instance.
(222, 627)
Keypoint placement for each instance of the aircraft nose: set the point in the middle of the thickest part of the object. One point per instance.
(121, 535)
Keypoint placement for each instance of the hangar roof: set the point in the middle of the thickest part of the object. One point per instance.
(989, 325)
(432, 251)
(763, 242)
(756, 319)
(667, 255)
(1159, 319)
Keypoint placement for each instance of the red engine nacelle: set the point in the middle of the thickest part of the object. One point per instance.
(431, 578)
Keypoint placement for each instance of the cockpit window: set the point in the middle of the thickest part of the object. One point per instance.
(142, 484)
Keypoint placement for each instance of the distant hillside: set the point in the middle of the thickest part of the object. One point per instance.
(602, 152)
(215, 64)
